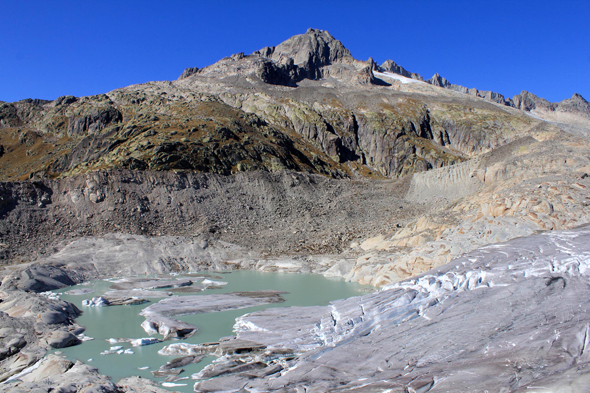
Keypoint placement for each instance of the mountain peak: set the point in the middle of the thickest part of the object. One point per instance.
(578, 96)
(438, 80)
(314, 49)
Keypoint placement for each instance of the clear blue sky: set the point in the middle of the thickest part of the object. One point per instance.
(84, 47)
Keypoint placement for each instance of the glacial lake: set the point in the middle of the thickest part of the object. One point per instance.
(103, 323)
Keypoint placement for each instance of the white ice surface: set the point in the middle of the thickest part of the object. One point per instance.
(24, 372)
(397, 77)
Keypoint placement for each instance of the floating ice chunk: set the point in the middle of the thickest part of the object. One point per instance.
(128, 352)
(144, 341)
(171, 384)
(50, 295)
(135, 342)
(143, 368)
(98, 301)
(211, 282)
(116, 279)
(89, 360)
(116, 349)
(80, 291)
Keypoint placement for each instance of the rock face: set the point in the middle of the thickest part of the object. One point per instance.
(188, 72)
(55, 373)
(94, 122)
(310, 52)
(524, 101)
(61, 339)
(210, 121)
(30, 325)
(392, 66)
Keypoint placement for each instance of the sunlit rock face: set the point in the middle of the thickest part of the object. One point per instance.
(505, 317)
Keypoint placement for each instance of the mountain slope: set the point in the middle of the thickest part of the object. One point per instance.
(306, 106)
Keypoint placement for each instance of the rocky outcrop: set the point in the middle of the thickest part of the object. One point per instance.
(9, 116)
(310, 52)
(439, 81)
(56, 373)
(392, 66)
(188, 72)
(311, 56)
(30, 325)
(577, 104)
(93, 122)
(529, 102)
(64, 100)
(524, 101)
(40, 279)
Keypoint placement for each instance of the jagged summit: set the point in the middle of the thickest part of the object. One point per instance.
(314, 49)
(578, 96)
(304, 56)
(313, 56)
(317, 55)
(392, 66)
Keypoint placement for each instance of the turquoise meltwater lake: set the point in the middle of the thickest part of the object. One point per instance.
(103, 323)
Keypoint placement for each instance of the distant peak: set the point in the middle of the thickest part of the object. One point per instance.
(578, 96)
(315, 47)
(392, 66)
(438, 80)
(311, 30)
(188, 72)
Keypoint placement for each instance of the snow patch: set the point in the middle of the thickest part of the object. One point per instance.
(24, 372)
(397, 77)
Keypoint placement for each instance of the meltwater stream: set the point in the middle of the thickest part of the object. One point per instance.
(116, 322)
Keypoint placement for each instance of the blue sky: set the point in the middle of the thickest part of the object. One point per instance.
(83, 47)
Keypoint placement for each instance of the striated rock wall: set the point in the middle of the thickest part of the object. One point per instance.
(451, 183)
(270, 213)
